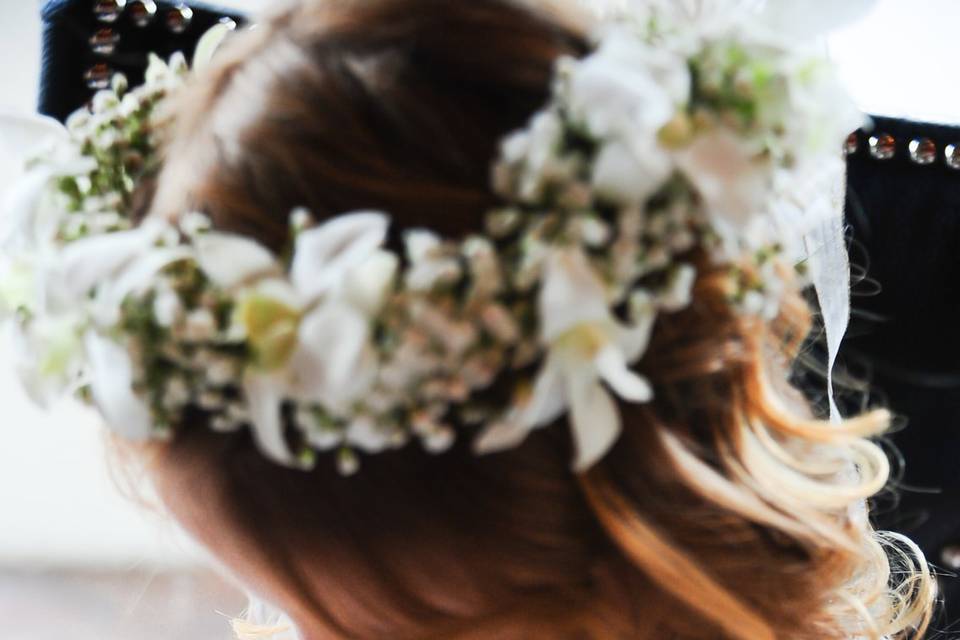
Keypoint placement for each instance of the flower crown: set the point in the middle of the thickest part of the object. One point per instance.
(667, 141)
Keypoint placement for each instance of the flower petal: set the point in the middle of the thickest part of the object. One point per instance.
(678, 293)
(508, 433)
(138, 276)
(21, 133)
(627, 87)
(728, 175)
(45, 357)
(548, 401)
(86, 263)
(365, 434)
(369, 284)
(111, 384)
(324, 255)
(629, 385)
(209, 43)
(332, 361)
(264, 395)
(229, 260)
(571, 294)
(628, 177)
(634, 339)
(594, 420)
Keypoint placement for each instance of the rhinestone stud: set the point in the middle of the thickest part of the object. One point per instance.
(883, 146)
(851, 144)
(104, 42)
(142, 12)
(108, 10)
(98, 76)
(923, 151)
(952, 156)
(179, 18)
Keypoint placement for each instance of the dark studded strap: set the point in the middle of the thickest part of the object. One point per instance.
(86, 41)
(904, 209)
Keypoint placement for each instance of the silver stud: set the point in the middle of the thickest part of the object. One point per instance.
(851, 144)
(179, 18)
(923, 151)
(142, 12)
(104, 41)
(950, 557)
(98, 76)
(952, 155)
(883, 146)
(108, 10)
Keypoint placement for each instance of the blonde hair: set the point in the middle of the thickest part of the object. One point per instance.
(726, 508)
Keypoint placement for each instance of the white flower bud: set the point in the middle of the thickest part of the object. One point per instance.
(199, 326)
(104, 100)
(221, 371)
(176, 395)
(78, 120)
(129, 105)
(593, 232)
(679, 291)
(195, 223)
(440, 439)
(210, 400)
(499, 323)
(167, 307)
(347, 462)
(300, 219)
(753, 303)
(223, 424)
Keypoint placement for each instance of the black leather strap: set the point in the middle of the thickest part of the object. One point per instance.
(905, 331)
(69, 25)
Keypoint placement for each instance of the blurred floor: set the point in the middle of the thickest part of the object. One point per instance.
(116, 606)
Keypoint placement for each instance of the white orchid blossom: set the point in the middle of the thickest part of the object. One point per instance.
(313, 330)
(587, 348)
(624, 94)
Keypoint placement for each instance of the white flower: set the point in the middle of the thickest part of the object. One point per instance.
(209, 43)
(333, 363)
(28, 215)
(624, 94)
(311, 334)
(678, 292)
(97, 262)
(18, 284)
(533, 154)
(167, 306)
(365, 434)
(630, 175)
(430, 263)
(111, 373)
(47, 356)
(325, 255)
(230, 260)
(627, 88)
(176, 394)
(586, 348)
(729, 175)
(199, 326)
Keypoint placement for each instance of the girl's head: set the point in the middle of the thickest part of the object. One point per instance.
(724, 509)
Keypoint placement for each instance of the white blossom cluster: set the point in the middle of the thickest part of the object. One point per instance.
(661, 146)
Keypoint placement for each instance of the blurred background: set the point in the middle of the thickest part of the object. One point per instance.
(75, 555)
